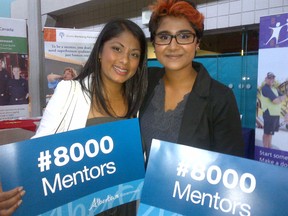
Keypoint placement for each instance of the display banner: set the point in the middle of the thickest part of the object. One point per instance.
(80, 172)
(182, 180)
(69, 45)
(14, 90)
(271, 133)
(65, 48)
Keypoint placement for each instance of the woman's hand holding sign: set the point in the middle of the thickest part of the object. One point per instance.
(10, 200)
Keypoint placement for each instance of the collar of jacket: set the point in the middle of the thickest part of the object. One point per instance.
(203, 80)
(201, 85)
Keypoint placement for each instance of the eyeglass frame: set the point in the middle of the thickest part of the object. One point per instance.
(175, 36)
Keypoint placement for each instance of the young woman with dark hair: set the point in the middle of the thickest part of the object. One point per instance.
(111, 86)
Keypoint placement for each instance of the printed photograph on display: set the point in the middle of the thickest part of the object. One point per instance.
(14, 87)
(276, 68)
(271, 132)
(66, 51)
(57, 70)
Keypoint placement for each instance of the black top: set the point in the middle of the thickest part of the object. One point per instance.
(18, 90)
(210, 119)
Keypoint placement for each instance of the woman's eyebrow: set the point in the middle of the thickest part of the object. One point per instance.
(180, 31)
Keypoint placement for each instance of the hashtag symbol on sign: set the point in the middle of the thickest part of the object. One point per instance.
(44, 161)
(182, 169)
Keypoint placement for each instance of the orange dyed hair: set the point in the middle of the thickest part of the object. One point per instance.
(176, 8)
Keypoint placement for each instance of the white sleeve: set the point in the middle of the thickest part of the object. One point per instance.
(52, 114)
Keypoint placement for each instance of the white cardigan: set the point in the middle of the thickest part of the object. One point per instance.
(68, 108)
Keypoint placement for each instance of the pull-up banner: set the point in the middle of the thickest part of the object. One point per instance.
(65, 48)
(14, 71)
(271, 132)
(80, 172)
(182, 180)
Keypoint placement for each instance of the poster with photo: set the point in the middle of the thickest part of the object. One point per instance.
(271, 132)
(14, 74)
(66, 51)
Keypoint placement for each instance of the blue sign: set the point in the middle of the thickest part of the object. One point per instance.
(80, 172)
(273, 31)
(182, 180)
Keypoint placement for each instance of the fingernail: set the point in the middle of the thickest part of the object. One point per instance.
(19, 202)
(22, 193)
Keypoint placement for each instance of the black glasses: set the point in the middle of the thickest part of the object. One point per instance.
(181, 38)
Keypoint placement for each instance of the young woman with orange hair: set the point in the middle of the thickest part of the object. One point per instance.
(184, 104)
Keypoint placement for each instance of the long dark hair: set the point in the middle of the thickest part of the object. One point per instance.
(134, 88)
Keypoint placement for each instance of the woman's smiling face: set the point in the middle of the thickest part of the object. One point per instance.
(120, 58)
(175, 56)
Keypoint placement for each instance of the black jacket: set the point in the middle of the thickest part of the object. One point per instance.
(211, 118)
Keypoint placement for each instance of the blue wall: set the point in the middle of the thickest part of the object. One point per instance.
(240, 74)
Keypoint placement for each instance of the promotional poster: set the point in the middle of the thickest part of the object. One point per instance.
(271, 133)
(14, 89)
(80, 172)
(65, 49)
(182, 180)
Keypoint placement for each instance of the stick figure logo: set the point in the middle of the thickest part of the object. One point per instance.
(276, 33)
